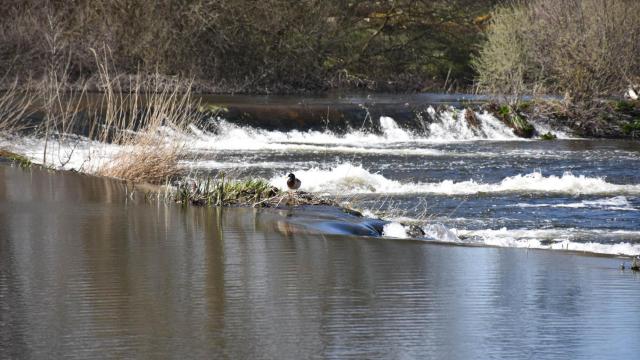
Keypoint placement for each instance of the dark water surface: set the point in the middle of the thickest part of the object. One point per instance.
(86, 273)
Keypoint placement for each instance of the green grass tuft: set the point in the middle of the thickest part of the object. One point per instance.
(219, 191)
(623, 106)
(504, 111)
(522, 127)
(548, 136)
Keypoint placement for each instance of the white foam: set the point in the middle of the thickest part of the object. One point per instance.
(596, 241)
(545, 129)
(214, 164)
(617, 203)
(446, 126)
(231, 137)
(351, 179)
(592, 241)
(451, 125)
(440, 233)
(392, 131)
(71, 153)
(395, 230)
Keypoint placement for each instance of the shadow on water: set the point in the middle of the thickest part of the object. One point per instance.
(84, 272)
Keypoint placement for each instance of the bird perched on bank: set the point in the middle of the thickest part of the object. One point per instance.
(293, 183)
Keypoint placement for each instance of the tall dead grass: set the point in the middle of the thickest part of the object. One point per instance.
(146, 161)
(146, 122)
(144, 119)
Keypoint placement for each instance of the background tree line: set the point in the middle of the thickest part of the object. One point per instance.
(250, 45)
(578, 49)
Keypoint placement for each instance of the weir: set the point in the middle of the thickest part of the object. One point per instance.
(396, 124)
(338, 114)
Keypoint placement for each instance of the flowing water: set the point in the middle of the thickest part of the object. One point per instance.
(459, 183)
(87, 271)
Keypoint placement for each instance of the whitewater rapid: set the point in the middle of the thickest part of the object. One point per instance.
(578, 240)
(354, 179)
(401, 164)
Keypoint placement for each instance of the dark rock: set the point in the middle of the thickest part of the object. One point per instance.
(414, 231)
(471, 118)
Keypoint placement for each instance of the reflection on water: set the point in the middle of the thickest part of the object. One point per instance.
(84, 273)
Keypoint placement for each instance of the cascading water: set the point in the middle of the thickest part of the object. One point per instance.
(452, 124)
(473, 178)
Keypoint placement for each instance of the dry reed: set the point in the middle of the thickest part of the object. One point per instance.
(145, 161)
(144, 121)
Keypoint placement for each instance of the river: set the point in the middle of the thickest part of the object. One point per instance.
(523, 239)
(86, 271)
(428, 167)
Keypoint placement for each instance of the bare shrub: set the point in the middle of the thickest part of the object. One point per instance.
(504, 65)
(578, 48)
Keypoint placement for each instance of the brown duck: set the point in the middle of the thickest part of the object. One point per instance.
(293, 183)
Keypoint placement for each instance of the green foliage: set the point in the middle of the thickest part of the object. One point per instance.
(525, 105)
(502, 64)
(19, 160)
(219, 191)
(504, 111)
(548, 136)
(632, 128)
(513, 119)
(624, 106)
(521, 126)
